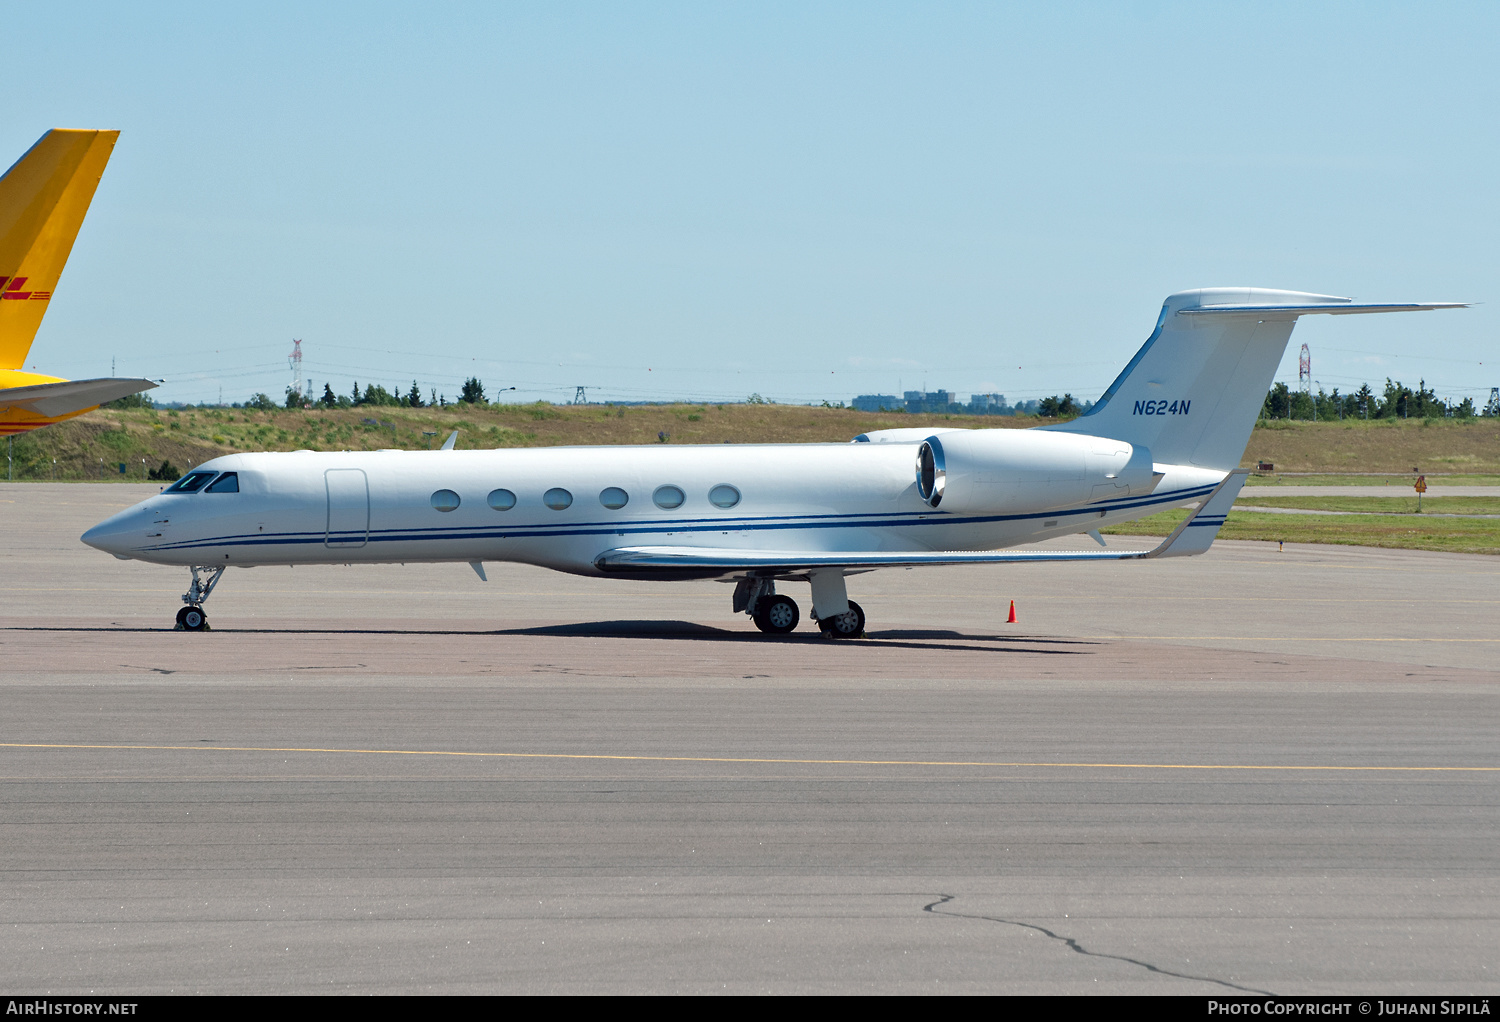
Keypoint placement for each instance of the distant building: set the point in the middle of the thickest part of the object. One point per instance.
(919, 401)
(941, 402)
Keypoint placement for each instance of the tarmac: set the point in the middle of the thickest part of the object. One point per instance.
(1252, 771)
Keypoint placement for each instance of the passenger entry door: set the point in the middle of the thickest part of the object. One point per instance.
(348, 507)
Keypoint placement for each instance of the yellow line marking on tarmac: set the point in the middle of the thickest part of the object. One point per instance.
(767, 760)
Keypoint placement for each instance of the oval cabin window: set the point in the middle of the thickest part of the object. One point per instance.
(502, 500)
(614, 498)
(668, 497)
(557, 498)
(445, 500)
(723, 495)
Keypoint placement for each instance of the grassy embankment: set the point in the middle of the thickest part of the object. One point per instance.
(1381, 451)
(93, 446)
(1358, 453)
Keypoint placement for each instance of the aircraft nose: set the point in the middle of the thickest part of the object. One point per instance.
(116, 535)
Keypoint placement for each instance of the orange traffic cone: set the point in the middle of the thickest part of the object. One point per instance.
(1012, 619)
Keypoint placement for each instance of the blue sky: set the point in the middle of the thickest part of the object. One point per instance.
(807, 201)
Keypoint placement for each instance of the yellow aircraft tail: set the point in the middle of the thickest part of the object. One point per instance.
(43, 199)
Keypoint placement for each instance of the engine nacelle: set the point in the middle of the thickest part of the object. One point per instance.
(999, 470)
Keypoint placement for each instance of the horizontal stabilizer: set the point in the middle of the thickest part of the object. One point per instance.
(1341, 307)
(1193, 536)
(53, 399)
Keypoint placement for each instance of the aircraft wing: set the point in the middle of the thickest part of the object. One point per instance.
(53, 399)
(1193, 536)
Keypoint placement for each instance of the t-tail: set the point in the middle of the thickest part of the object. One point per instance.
(1191, 395)
(43, 199)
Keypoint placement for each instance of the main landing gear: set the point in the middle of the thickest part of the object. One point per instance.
(777, 614)
(192, 618)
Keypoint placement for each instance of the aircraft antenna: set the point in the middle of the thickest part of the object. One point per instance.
(295, 360)
(1304, 371)
(579, 398)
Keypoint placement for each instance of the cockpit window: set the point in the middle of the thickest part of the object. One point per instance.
(191, 483)
(229, 482)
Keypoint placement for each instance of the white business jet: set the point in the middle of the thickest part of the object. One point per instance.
(1170, 431)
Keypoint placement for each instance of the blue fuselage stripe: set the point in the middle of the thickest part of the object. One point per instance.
(902, 519)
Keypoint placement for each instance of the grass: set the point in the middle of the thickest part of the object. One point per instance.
(1404, 479)
(1385, 505)
(93, 446)
(1399, 447)
(1450, 535)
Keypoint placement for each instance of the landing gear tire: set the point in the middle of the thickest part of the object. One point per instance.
(850, 625)
(192, 619)
(777, 615)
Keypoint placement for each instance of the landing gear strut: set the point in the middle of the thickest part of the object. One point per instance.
(191, 618)
(842, 618)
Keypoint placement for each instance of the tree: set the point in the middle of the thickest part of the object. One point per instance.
(473, 392)
(1055, 407)
(357, 399)
(377, 395)
(329, 399)
(296, 400)
(1278, 403)
(414, 397)
(262, 402)
(132, 401)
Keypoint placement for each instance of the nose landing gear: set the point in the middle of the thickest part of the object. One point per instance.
(192, 618)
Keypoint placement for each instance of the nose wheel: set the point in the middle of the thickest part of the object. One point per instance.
(191, 618)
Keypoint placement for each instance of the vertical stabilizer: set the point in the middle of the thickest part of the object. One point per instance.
(1191, 395)
(43, 199)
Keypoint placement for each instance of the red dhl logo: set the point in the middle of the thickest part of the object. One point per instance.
(10, 291)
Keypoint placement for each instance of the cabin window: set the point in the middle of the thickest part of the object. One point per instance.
(229, 482)
(191, 483)
(445, 500)
(557, 498)
(723, 495)
(502, 500)
(668, 497)
(614, 498)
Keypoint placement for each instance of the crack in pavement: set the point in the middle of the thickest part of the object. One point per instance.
(1073, 945)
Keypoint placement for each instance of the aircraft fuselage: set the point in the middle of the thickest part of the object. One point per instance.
(415, 506)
